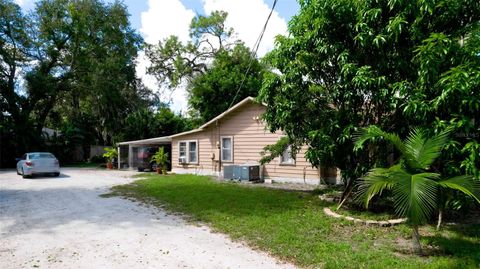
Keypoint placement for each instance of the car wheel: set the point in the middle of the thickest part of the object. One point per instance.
(140, 169)
(23, 174)
(56, 174)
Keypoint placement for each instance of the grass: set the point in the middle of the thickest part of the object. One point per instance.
(365, 215)
(291, 226)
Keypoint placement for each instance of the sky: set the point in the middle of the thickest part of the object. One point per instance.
(158, 19)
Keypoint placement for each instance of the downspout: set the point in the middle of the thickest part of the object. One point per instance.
(304, 175)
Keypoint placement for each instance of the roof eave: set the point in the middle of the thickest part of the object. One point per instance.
(155, 140)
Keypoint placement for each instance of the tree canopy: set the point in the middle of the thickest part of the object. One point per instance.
(148, 123)
(174, 62)
(225, 82)
(66, 65)
(212, 66)
(396, 64)
(70, 66)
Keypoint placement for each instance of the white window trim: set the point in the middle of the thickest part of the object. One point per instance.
(196, 151)
(221, 149)
(187, 149)
(283, 163)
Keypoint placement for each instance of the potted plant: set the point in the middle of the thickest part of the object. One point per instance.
(110, 154)
(161, 159)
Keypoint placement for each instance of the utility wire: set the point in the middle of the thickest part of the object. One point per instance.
(254, 52)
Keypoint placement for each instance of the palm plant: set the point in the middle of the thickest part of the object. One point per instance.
(415, 187)
(161, 159)
(110, 154)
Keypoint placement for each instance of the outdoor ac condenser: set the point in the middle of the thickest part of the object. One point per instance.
(241, 172)
(228, 172)
(250, 172)
(232, 172)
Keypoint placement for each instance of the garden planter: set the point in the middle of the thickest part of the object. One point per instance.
(109, 165)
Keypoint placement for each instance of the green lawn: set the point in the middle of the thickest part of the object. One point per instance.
(292, 226)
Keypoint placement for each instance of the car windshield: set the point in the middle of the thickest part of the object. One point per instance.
(34, 156)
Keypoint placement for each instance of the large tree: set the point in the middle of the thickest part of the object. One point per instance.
(225, 82)
(348, 64)
(15, 45)
(174, 62)
(101, 55)
(76, 58)
(148, 123)
(212, 65)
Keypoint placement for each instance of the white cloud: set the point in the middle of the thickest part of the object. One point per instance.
(171, 17)
(165, 18)
(25, 4)
(247, 17)
(161, 20)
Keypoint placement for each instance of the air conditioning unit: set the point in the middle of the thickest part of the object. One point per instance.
(231, 172)
(182, 160)
(250, 172)
(242, 172)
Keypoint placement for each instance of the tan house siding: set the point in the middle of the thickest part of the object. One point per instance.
(249, 138)
(204, 151)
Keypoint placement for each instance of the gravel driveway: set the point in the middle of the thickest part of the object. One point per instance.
(63, 223)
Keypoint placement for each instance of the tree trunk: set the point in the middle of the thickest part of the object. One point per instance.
(346, 193)
(417, 247)
(440, 217)
(344, 199)
(441, 206)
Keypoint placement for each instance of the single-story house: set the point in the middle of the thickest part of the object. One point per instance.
(237, 136)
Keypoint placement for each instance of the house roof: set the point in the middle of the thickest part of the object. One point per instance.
(166, 139)
(149, 141)
(212, 121)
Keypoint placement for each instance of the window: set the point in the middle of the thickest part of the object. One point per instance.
(192, 152)
(35, 156)
(227, 149)
(182, 150)
(286, 157)
(188, 151)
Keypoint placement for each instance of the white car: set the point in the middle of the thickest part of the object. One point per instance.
(38, 163)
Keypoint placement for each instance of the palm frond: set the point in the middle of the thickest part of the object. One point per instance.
(466, 184)
(422, 151)
(415, 195)
(374, 183)
(373, 132)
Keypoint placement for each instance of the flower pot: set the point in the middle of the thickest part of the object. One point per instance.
(109, 165)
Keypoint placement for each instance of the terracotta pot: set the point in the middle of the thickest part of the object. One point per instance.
(109, 165)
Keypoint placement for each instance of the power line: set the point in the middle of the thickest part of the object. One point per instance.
(254, 52)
